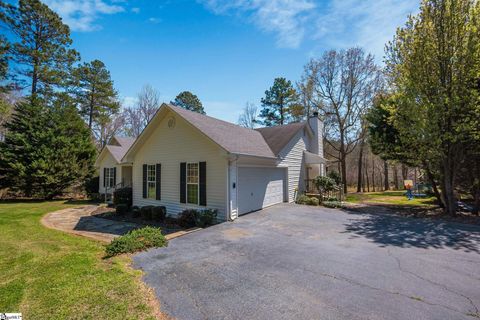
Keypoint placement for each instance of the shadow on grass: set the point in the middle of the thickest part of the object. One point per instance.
(66, 201)
(387, 229)
(82, 202)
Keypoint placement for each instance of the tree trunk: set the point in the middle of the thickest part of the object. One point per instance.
(373, 174)
(360, 165)
(448, 189)
(395, 176)
(91, 106)
(404, 172)
(344, 172)
(34, 79)
(386, 184)
(431, 178)
(366, 175)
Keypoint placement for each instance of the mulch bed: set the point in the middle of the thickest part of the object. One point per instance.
(110, 214)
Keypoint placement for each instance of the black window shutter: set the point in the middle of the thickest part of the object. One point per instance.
(144, 180)
(203, 183)
(114, 177)
(183, 182)
(104, 177)
(158, 180)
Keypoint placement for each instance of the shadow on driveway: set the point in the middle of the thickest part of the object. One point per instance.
(392, 230)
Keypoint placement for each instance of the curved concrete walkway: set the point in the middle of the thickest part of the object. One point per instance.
(80, 221)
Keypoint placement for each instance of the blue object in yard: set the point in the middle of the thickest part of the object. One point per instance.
(409, 194)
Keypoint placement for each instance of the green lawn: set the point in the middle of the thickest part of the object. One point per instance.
(48, 274)
(397, 198)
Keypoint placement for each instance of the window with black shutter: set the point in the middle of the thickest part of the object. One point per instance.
(202, 184)
(144, 178)
(183, 182)
(158, 180)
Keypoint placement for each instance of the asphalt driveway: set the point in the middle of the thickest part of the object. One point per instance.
(299, 262)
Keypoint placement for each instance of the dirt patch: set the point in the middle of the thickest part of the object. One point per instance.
(149, 295)
(235, 234)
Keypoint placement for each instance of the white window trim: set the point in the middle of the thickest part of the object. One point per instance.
(109, 177)
(187, 183)
(154, 181)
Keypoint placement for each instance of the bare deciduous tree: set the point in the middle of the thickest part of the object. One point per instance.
(138, 116)
(107, 127)
(343, 84)
(248, 118)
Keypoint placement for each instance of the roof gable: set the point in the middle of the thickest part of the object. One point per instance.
(278, 137)
(263, 142)
(117, 147)
(233, 138)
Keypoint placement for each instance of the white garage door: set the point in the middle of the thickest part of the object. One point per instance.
(259, 188)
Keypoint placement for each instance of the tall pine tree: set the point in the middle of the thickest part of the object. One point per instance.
(40, 47)
(94, 92)
(280, 103)
(189, 101)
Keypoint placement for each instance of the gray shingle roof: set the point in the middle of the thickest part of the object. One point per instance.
(119, 151)
(278, 137)
(231, 137)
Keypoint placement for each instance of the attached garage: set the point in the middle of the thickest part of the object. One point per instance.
(260, 187)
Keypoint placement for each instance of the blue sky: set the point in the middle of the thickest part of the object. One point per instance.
(226, 52)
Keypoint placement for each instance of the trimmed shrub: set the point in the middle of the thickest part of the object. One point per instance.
(121, 209)
(186, 219)
(135, 212)
(302, 199)
(311, 201)
(136, 240)
(123, 196)
(206, 218)
(159, 213)
(190, 218)
(146, 212)
(332, 204)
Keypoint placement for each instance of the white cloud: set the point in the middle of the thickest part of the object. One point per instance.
(333, 23)
(368, 24)
(136, 10)
(154, 20)
(285, 18)
(81, 15)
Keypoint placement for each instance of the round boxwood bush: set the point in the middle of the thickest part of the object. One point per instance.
(159, 213)
(135, 212)
(136, 240)
(186, 219)
(123, 196)
(304, 199)
(146, 212)
(313, 201)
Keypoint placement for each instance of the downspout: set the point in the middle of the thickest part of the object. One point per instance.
(229, 209)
